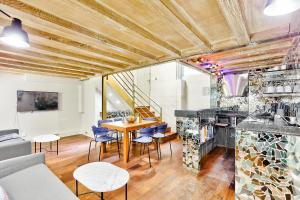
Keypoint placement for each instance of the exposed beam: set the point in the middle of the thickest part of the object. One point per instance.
(162, 11)
(251, 49)
(16, 4)
(251, 64)
(69, 42)
(38, 70)
(186, 20)
(4, 48)
(108, 12)
(233, 15)
(23, 71)
(46, 63)
(253, 67)
(283, 49)
(256, 58)
(109, 64)
(56, 69)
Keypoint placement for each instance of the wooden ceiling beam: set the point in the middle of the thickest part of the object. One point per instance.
(58, 69)
(250, 49)
(26, 8)
(186, 20)
(39, 70)
(23, 71)
(109, 64)
(250, 64)
(73, 43)
(46, 63)
(254, 67)
(256, 58)
(282, 49)
(4, 48)
(233, 15)
(108, 12)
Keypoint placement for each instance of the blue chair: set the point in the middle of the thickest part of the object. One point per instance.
(100, 122)
(118, 119)
(101, 135)
(145, 139)
(160, 131)
(150, 119)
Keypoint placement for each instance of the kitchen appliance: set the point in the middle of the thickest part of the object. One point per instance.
(235, 85)
(279, 89)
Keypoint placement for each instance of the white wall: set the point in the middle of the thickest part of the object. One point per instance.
(91, 106)
(197, 89)
(174, 86)
(65, 121)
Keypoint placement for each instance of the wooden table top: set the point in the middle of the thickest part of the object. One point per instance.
(124, 126)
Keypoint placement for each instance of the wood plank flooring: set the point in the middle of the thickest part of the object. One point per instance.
(166, 180)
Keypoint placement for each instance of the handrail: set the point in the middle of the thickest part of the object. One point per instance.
(140, 98)
(142, 91)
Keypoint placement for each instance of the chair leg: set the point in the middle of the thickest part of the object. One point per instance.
(157, 149)
(149, 155)
(144, 148)
(100, 151)
(118, 148)
(90, 150)
(170, 147)
(141, 149)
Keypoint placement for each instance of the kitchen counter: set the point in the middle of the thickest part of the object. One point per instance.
(267, 160)
(269, 126)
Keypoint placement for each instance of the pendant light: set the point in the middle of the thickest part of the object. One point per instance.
(281, 7)
(14, 35)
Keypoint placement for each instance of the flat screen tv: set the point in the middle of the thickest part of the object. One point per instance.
(29, 101)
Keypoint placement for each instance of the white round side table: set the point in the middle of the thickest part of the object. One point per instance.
(46, 138)
(101, 177)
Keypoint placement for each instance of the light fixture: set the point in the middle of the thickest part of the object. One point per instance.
(14, 35)
(281, 7)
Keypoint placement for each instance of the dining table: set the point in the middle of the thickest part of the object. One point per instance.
(125, 128)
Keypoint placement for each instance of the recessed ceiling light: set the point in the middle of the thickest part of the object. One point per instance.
(281, 7)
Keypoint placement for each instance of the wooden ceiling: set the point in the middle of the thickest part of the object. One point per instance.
(84, 38)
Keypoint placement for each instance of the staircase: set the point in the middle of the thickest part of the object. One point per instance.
(140, 103)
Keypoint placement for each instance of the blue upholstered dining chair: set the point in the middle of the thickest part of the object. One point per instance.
(160, 131)
(101, 135)
(150, 119)
(144, 139)
(100, 122)
(117, 119)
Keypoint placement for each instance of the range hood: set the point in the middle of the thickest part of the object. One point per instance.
(235, 85)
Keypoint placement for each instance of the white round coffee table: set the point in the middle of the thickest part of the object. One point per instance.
(101, 177)
(46, 138)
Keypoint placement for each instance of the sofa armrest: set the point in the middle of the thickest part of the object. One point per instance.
(5, 132)
(19, 148)
(13, 165)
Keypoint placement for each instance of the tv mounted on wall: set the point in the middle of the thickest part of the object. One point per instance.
(28, 101)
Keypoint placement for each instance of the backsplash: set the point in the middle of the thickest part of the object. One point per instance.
(256, 99)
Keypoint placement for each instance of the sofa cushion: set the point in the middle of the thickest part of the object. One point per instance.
(3, 194)
(9, 136)
(35, 183)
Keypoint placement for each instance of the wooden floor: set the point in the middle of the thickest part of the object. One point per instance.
(166, 180)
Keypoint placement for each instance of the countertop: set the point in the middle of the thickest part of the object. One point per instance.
(209, 112)
(268, 126)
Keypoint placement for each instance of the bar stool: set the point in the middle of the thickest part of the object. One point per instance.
(226, 128)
